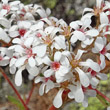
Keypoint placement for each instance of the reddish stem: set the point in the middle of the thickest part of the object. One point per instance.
(52, 108)
(15, 90)
(30, 94)
(101, 94)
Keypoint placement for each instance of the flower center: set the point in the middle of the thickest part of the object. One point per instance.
(55, 65)
(29, 53)
(38, 35)
(103, 51)
(22, 32)
(81, 30)
(75, 63)
(6, 7)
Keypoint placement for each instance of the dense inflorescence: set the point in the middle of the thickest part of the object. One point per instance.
(45, 47)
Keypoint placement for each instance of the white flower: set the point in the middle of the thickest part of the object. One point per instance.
(101, 47)
(58, 67)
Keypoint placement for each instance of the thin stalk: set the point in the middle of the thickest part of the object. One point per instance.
(30, 94)
(15, 90)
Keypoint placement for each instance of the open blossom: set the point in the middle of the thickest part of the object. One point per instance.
(82, 33)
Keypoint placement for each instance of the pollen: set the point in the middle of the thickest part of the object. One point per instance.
(75, 63)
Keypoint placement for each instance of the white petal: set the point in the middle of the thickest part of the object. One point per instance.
(41, 89)
(14, 34)
(102, 59)
(46, 60)
(79, 35)
(4, 36)
(107, 55)
(79, 95)
(20, 61)
(28, 42)
(57, 56)
(73, 39)
(31, 62)
(108, 46)
(48, 73)
(57, 102)
(12, 69)
(103, 18)
(94, 81)
(92, 32)
(74, 25)
(4, 22)
(93, 65)
(40, 50)
(17, 40)
(34, 71)
(79, 54)
(102, 76)
(4, 62)
(83, 77)
(49, 86)
(39, 79)
(18, 77)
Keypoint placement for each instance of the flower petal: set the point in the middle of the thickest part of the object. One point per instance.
(57, 102)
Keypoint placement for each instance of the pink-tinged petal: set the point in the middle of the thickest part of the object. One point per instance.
(4, 36)
(17, 40)
(73, 39)
(48, 73)
(28, 42)
(34, 71)
(102, 59)
(93, 65)
(41, 89)
(92, 32)
(46, 60)
(79, 54)
(108, 46)
(20, 61)
(83, 77)
(94, 81)
(107, 55)
(39, 79)
(49, 86)
(79, 35)
(40, 50)
(57, 56)
(18, 76)
(79, 95)
(102, 76)
(57, 102)
(60, 40)
(31, 62)
(103, 18)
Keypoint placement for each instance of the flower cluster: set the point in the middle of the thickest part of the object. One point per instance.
(45, 47)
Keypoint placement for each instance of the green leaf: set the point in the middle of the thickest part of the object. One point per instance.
(16, 102)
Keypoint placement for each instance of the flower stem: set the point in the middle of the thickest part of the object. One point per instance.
(15, 90)
(30, 94)
(52, 108)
